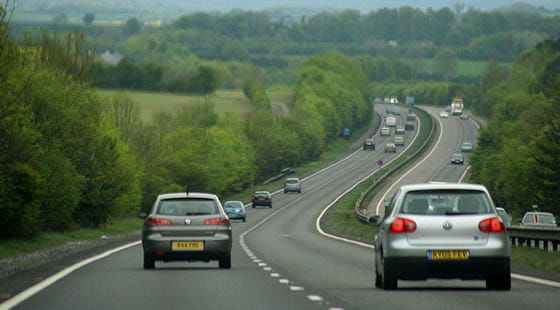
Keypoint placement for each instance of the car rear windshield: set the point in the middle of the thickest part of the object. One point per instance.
(262, 195)
(446, 202)
(234, 204)
(292, 181)
(187, 206)
(546, 219)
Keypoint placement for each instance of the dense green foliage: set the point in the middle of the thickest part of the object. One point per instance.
(517, 153)
(60, 162)
(69, 159)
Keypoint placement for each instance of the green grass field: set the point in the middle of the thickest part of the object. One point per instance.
(466, 67)
(226, 101)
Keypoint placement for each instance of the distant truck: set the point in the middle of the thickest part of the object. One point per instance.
(410, 100)
(391, 121)
(457, 106)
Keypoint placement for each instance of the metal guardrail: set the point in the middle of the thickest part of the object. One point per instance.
(364, 217)
(549, 237)
(284, 172)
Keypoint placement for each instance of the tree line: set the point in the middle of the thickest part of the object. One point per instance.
(70, 159)
(517, 153)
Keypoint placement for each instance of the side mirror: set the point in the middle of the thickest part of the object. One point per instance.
(375, 220)
(143, 215)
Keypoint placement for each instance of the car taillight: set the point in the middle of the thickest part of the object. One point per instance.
(216, 221)
(401, 225)
(157, 222)
(253, 198)
(492, 225)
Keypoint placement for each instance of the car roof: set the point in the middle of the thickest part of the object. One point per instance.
(189, 195)
(443, 186)
(231, 201)
(539, 213)
(390, 144)
(293, 179)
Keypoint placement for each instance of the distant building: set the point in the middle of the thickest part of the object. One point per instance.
(375, 43)
(111, 58)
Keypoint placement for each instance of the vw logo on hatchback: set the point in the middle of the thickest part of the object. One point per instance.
(187, 221)
(447, 225)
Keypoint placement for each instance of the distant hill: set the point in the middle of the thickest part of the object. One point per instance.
(179, 7)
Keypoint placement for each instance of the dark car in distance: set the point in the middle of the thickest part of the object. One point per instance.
(262, 198)
(457, 159)
(369, 144)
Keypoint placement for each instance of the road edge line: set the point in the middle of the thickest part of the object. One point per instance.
(29, 292)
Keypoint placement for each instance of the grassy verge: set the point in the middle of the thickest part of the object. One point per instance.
(10, 248)
(342, 219)
(535, 258)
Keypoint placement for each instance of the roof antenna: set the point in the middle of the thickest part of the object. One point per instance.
(187, 189)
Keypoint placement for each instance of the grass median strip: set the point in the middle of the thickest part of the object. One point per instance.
(535, 258)
(342, 219)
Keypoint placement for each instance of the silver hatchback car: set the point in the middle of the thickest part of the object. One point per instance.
(444, 230)
(187, 227)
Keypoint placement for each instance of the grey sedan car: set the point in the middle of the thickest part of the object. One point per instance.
(186, 227)
(444, 230)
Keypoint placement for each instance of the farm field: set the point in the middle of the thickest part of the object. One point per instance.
(226, 101)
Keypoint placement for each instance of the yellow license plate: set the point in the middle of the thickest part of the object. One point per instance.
(448, 254)
(187, 246)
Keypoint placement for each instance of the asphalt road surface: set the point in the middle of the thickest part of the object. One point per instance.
(280, 261)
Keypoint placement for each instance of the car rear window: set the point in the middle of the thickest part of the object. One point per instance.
(187, 206)
(262, 195)
(292, 181)
(234, 204)
(446, 202)
(546, 219)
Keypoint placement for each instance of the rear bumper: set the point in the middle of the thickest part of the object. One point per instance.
(213, 249)
(235, 215)
(416, 268)
(266, 203)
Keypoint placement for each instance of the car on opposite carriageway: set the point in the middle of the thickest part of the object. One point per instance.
(292, 185)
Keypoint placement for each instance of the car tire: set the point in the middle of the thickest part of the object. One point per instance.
(224, 262)
(389, 281)
(253, 206)
(244, 219)
(299, 192)
(378, 280)
(285, 191)
(500, 282)
(149, 262)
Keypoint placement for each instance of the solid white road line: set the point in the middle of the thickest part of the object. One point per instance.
(19, 298)
(464, 174)
(535, 280)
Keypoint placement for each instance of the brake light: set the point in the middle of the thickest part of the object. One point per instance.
(401, 225)
(216, 221)
(492, 225)
(253, 198)
(157, 222)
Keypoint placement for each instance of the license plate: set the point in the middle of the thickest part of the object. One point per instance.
(187, 246)
(448, 254)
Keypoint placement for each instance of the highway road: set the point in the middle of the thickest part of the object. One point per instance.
(280, 261)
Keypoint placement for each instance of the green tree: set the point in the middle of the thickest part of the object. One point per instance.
(88, 18)
(131, 27)
(445, 63)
